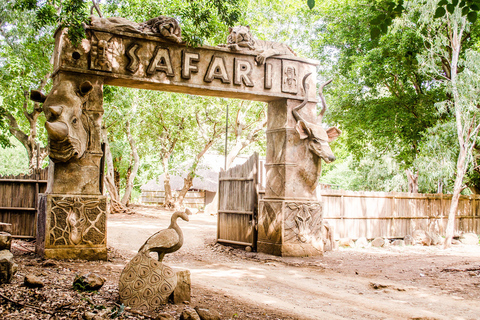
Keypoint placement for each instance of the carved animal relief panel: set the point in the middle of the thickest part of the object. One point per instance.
(77, 221)
(303, 222)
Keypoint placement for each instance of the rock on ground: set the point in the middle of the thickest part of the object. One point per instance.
(421, 237)
(361, 242)
(378, 242)
(33, 281)
(409, 241)
(346, 242)
(5, 241)
(189, 314)
(7, 267)
(88, 282)
(400, 243)
(469, 239)
(207, 314)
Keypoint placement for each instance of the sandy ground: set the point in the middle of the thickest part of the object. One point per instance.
(388, 283)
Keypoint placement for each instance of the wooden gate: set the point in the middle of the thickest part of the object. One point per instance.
(19, 201)
(237, 204)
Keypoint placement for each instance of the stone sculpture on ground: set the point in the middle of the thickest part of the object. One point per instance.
(146, 283)
(7, 267)
(240, 38)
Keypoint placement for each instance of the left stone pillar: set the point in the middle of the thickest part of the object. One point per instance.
(72, 218)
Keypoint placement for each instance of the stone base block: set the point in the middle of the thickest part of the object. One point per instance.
(290, 228)
(5, 241)
(72, 227)
(183, 290)
(7, 267)
(90, 254)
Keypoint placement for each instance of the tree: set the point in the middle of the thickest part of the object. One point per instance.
(121, 155)
(25, 64)
(456, 64)
(380, 95)
(249, 122)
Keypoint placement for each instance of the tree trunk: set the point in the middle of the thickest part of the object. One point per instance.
(29, 141)
(440, 186)
(450, 230)
(169, 201)
(456, 46)
(188, 181)
(110, 175)
(412, 179)
(187, 184)
(136, 164)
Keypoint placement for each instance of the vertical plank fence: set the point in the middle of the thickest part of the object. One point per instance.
(19, 201)
(237, 204)
(395, 214)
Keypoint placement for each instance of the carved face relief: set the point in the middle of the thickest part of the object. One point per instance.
(101, 54)
(289, 76)
(240, 35)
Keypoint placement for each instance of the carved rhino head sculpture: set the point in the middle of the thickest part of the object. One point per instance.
(318, 137)
(67, 124)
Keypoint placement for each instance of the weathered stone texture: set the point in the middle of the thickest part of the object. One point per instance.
(88, 282)
(72, 227)
(146, 283)
(183, 291)
(32, 281)
(5, 241)
(289, 228)
(7, 266)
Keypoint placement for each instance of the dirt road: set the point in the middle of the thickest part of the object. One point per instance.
(392, 283)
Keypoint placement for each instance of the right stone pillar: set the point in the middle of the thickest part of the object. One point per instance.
(290, 215)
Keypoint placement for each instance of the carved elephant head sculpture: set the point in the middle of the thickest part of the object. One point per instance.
(67, 124)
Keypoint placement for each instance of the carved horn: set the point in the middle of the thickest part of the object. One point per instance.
(57, 131)
(322, 98)
(295, 110)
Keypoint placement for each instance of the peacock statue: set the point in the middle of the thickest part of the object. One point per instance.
(146, 283)
(167, 240)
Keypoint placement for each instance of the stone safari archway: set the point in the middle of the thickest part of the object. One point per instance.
(151, 55)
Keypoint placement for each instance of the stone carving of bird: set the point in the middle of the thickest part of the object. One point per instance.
(167, 240)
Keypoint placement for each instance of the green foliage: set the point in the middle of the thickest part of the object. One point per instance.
(24, 61)
(379, 95)
(202, 21)
(13, 159)
(468, 8)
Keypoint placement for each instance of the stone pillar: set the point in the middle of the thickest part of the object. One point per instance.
(71, 220)
(290, 216)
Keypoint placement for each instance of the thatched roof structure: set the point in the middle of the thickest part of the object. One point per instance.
(207, 175)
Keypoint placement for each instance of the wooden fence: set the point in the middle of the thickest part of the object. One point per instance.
(193, 199)
(394, 215)
(237, 204)
(19, 201)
